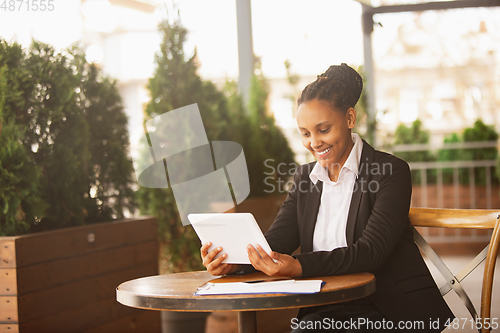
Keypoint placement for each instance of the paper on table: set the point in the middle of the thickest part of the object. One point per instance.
(272, 287)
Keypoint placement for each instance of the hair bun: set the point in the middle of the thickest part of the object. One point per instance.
(347, 76)
(340, 84)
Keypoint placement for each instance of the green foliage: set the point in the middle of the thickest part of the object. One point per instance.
(20, 197)
(67, 123)
(366, 127)
(414, 135)
(450, 155)
(176, 84)
(109, 168)
(267, 147)
(480, 132)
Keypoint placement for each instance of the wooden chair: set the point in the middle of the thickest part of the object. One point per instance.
(466, 219)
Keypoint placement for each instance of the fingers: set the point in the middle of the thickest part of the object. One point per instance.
(204, 249)
(214, 266)
(285, 265)
(263, 254)
(261, 260)
(216, 262)
(209, 257)
(253, 256)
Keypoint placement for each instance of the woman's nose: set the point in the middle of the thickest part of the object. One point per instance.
(315, 142)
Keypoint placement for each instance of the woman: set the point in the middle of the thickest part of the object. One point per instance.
(348, 212)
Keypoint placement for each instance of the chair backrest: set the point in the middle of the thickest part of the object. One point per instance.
(468, 219)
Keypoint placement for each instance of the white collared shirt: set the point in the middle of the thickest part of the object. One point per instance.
(330, 229)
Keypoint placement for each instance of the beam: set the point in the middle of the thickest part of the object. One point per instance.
(245, 48)
(438, 5)
(367, 25)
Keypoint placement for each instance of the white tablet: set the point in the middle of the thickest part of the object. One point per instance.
(231, 231)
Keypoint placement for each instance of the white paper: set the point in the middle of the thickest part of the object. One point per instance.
(271, 287)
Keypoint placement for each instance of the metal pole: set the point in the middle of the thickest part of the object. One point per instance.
(245, 47)
(367, 24)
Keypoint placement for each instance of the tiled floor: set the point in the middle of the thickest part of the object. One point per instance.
(227, 322)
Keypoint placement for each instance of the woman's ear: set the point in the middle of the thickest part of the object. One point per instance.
(351, 118)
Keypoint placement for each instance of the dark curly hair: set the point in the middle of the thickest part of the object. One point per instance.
(340, 86)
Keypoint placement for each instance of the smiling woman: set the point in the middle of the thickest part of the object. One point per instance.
(326, 134)
(351, 217)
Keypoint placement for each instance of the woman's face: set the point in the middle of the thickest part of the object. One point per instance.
(326, 132)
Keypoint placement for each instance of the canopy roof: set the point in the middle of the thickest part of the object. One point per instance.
(396, 6)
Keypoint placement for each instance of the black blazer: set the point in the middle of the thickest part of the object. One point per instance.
(379, 239)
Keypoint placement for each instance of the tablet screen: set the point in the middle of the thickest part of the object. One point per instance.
(231, 231)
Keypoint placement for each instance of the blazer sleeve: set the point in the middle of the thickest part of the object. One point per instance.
(385, 225)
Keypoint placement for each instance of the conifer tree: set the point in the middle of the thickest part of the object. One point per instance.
(66, 125)
(20, 197)
(176, 84)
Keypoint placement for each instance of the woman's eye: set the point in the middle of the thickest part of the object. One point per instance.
(305, 134)
(325, 130)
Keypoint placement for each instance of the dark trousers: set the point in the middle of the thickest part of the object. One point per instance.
(356, 316)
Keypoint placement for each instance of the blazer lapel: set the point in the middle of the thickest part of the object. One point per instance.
(360, 187)
(311, 209)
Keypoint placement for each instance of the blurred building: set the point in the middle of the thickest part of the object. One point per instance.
(442, 67)
(121, 36)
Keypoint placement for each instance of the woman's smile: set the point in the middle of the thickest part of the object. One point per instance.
(326, 133)
(322, 154)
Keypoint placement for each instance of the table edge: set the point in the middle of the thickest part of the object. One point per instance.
(208, 304)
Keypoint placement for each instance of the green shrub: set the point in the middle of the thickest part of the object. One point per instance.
(480, 132)
(450, 155)
(415, 135)
(64, 161)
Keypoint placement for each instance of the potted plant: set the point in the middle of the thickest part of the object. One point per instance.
(64, 163)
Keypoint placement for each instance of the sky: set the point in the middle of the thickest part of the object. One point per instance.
(312, 35)
(58, 27)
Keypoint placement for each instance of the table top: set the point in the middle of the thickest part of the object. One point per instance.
(175, 292)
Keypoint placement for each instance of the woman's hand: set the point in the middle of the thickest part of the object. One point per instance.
(285, 265)
(216, 267)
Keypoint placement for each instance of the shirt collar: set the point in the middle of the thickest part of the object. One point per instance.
(352, 162)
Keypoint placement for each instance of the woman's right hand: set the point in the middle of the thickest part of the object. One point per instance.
(215, 266)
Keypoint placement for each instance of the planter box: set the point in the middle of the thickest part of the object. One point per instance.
(65, 280)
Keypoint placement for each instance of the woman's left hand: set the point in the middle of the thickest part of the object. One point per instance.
(285, 265)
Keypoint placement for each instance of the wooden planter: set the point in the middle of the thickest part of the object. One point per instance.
(65, 280)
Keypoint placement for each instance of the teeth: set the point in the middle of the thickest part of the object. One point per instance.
(324, 151)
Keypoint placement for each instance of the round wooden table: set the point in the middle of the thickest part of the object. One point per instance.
(175, 292)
